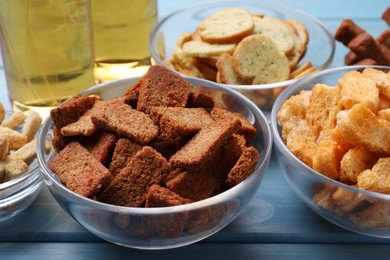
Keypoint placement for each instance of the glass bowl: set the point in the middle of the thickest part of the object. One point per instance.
(319, 192)
(320, 48)
(18, 193)
(141, 227)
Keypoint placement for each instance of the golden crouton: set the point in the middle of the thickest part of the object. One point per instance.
(346, 201)
(384, 114)
(376, 179)
(361, 127)
(301, 141)
(381, 79)
(354, 162)
(323, 198)
(377, 215)
(322, 110)
(327, 158)
(295, 106)
(384, 102)
(357, 88)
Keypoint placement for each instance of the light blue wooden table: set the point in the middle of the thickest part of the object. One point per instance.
(275, 225)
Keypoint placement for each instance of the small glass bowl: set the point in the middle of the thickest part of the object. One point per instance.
(17, 194)
(307, 183)
(320, 48)
(144, 228)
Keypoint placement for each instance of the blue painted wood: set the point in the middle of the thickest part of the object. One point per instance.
(275, 225)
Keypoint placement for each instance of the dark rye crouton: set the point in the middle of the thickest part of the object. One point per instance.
(176, 126)
(130, 186)
(162, 87)
(244, 167)
(247, 129)
(202, 181)
(79, 170)
(101, 145)
(167, 225)
(366, 47)
(125, 149)
(184, 121)
(204, 144)
(162, 197)
(200, 99)
(123, 120)
(132, 94)
(83, 126)
(70, 111)
(347, 31)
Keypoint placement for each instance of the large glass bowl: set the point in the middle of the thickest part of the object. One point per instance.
(307, 182)
(17, 194)
(320, 49)
(140, 227)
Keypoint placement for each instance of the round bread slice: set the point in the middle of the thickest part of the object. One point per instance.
(226, 73)
(299, 47)
(229, 25)
(276, 30)
(257, 58)
(204, 49)
(301, 31)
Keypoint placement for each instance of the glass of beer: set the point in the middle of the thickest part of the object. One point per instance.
(47, 51)
(121, 31)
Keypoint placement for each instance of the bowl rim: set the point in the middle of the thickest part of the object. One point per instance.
(217, 199)
(154, 38)
(294, 89)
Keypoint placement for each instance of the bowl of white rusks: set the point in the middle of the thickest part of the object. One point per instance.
(254, 47)
(20, 179)
(155, 162)
(331, 134)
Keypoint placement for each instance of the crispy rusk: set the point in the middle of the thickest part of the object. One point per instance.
(376, 179)
(358, 88)
(360, 126)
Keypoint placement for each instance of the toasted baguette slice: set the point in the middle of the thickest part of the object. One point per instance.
(226, 73)
(276, 29)
(258, 59)
(229, 25)
(301, 30)
(204, 49)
